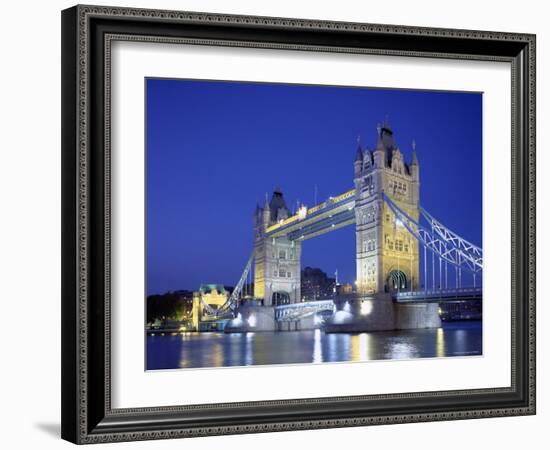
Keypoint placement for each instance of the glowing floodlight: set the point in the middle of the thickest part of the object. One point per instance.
(366, 307)
(252, 320)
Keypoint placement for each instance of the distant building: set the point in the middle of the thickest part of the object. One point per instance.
(315, 284)
(176, 305)
(213, 295)
(185, 300)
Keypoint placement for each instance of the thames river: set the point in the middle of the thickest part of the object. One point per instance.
(196, 350)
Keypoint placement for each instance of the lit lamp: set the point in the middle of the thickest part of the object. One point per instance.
(366, 307)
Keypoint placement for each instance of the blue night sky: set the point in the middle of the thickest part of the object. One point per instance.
(215, 148)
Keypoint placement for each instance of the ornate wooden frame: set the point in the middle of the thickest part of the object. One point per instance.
(87, 33)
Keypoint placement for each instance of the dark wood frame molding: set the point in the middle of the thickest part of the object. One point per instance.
(87, 33)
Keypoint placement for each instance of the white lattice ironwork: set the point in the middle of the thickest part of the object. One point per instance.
(232, 301)
(438, 239)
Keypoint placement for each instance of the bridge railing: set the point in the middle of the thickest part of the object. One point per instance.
(439, 293)
(295, 311)
(312, 304)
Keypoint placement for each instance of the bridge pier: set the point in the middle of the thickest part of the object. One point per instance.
(357, 313)
(306, 323)
(421, 315)
(252, 318)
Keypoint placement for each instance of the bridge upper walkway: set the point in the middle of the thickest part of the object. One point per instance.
(333, 213)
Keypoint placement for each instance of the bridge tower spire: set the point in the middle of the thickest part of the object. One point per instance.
(414, 162)
(266, 213)
(358, 164)
(385, 250)
(277, 260)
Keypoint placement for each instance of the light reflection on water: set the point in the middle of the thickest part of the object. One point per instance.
(317, 347)
(195, 350)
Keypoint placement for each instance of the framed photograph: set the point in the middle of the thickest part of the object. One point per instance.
(279, 224)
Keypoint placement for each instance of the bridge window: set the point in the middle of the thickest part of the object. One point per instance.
(387, 217)
(406, 248)
(282, 254)
(282, 273)
(399, 245)
(288, 274)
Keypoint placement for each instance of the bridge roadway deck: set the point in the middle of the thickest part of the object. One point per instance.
(439, 295)
(295, 311)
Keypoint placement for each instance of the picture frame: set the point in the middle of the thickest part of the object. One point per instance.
(87, 412)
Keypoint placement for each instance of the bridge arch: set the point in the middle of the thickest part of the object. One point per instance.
(279, 298)
(397, 280)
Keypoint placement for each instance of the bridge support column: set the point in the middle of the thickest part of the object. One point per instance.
(421, 315)
(252, 318)
(277, 270)
(378, 312)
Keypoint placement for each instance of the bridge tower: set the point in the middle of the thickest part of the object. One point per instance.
(387, 255)
(276, 259)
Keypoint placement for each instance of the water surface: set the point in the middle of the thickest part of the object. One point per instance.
(196, 350)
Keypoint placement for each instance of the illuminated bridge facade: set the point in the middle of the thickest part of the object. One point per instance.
(404, 255)
(392, 229)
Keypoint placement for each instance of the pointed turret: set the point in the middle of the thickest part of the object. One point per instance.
(379, 143)
(277, 206)
(414, 167)
(257, 214)
(367, 159)
(358, 164)
(414, 158)
(266, 212)
(359, 152)
(379, 151)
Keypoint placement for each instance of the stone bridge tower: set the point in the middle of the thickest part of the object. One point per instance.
(387, 254)
(276, 259)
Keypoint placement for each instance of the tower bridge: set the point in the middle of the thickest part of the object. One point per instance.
(392, 230)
